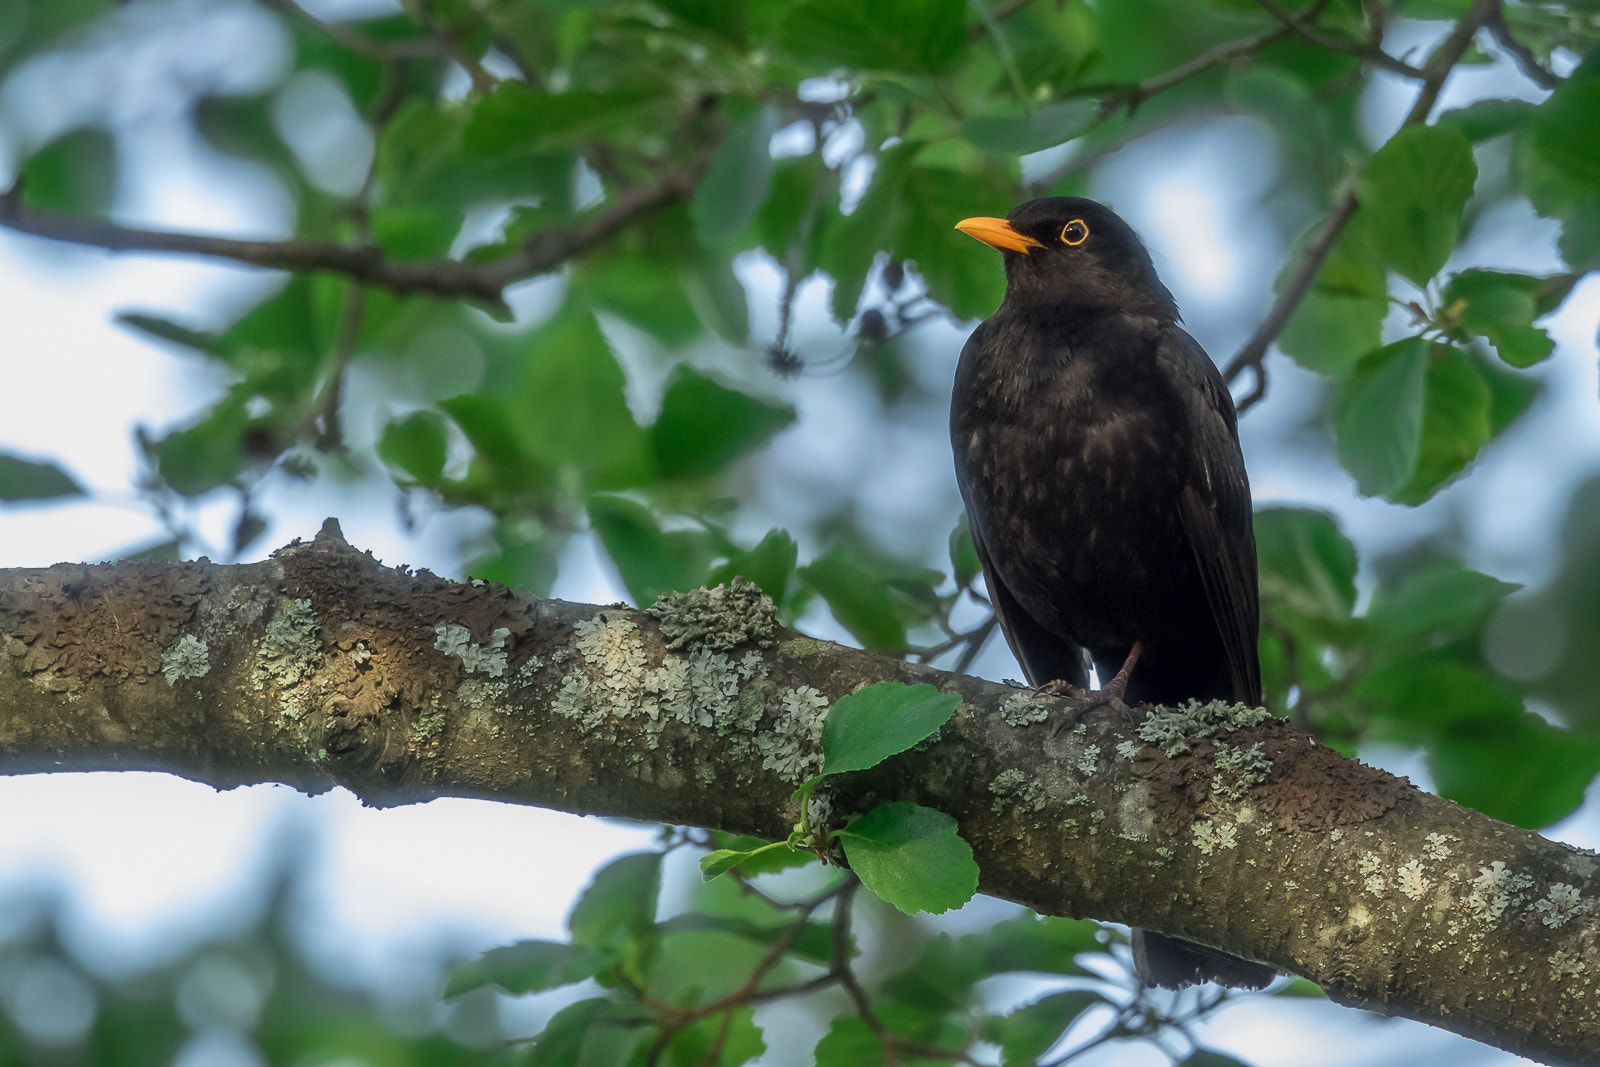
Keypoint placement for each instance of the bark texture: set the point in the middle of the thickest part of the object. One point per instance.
(322, 667)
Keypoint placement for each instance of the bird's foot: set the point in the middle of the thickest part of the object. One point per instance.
(1080, 701)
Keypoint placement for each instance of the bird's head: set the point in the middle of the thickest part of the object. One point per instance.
(1066, 250)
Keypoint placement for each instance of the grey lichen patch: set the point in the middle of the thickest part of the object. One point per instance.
(1566, 965)
(1560, 905)
(1413, 883)
(1128, 749)
(1436, 848)
(1240, 769)
(187, 658)
(1021, 709)
(1496, 889)
(1174, 730)
(1089, 759)
(1210, 836)
(1011, 788)
(793, 747)
(289, 649)
(488, 658)
(732, 614)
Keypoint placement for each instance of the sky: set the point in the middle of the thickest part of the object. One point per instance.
(141, 858)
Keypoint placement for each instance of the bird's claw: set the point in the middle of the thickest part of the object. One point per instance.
(1082, 701)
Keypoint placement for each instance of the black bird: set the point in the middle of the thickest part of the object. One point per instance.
(1097, 451)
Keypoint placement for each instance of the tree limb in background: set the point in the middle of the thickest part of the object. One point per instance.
(321, 667)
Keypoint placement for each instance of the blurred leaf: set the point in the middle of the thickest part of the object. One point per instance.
(1502, 307)
(912, 857)
(852, 242)
(515, 119)
(964, 563)
(651, 561)
(1485, 119)
(620, 902)
(736, 184)
(770, 565)
(850, 1042)
(868, 726)
(648, 292)
(415, 231)
(813, 942)
(590, 1033)
(962, 274)
(860, 599)
(1520, 769)
(1580, 235)
(25, 479)
(704, 425)
(916, 36)
(528, 967)
(1439, 600)
(718, 296)
(1204, 1057)
(1030, 1031)
(416, 445)
(734, 1035)
(1378, 414)
(489, 427)
(1566, 130)
(1413, 192)
(1029, 131)
(75, 174)
(206, 455)
(1045, 944)
(570, 407)
(1308, 568)
(1455, 424)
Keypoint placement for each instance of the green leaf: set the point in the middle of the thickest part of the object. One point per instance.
(591, 1033)
(206, 455)
(813, 942)
(736, 183)
(704, 426)
(1455, 424)
(912, 857)
(1377, 416)
(964, 275)
(770, 565)
(528, 967)
(1027, 1033)
(416, 231)
(734, 1035)
(1329, 332)
(651, 561)
(514, 119)
(648, 291)
(1308, 568)
(75, 174)
(490, 428)
(868, 726)
(963, 554)
(1029, 131)
(417, 445)
(1521, 770)
(852, 242)
(871, 597)
(720, 862)
(850, 1042)
(1046, 944)
(25, 479)
(621, 901)
(1566, 130)
(1437, 601)
(1413, 193)
(1580, 235)
(167, 330)
(1502, 307)
(1204, 1057)
(778, 859)
(1485, 119)
(570, 406)
(915, 36)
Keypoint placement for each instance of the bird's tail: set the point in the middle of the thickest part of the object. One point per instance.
(1173, 963)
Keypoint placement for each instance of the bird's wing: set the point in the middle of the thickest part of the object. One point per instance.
(1044, 656)
(1215, 509)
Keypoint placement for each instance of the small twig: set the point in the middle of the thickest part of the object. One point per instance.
(999, 13)
(1535, 71)
(1368, 52)
(341, 34)
(331, 435)
(482, 80)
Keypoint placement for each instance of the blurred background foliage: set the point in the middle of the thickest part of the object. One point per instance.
(615, 256)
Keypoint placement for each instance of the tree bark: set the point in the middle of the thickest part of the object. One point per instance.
(322, 667)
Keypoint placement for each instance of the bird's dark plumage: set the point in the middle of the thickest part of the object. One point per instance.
(1097, 452)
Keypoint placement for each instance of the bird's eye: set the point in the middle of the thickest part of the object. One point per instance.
(1074, 233)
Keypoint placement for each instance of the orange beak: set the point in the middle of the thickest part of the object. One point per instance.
(997, 233)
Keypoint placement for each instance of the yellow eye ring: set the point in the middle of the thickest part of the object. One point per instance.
(1075, 233)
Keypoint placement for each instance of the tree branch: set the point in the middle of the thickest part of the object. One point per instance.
(1366, 52)
(321, 667)
(449, 278)
(1438, 68)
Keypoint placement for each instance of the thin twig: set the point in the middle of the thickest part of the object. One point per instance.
(1368, 52)
(341, 34)
(1535, 71)
(1438, 68)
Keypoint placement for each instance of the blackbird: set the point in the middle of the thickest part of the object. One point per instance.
(1097, 450)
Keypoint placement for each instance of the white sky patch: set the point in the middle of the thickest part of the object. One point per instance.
(1199, 253)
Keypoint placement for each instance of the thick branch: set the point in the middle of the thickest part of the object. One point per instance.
(322, 667)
